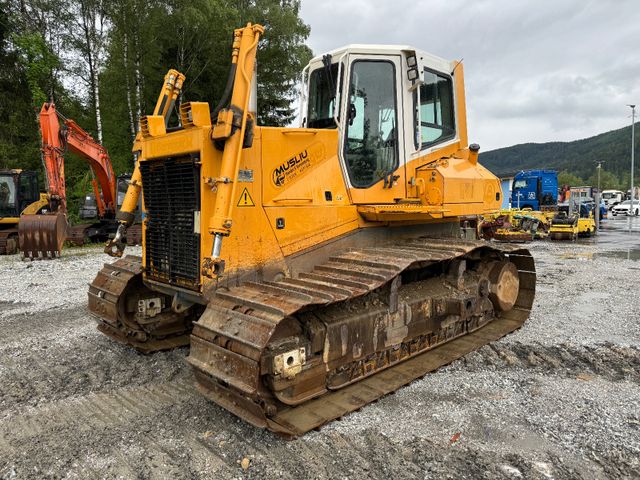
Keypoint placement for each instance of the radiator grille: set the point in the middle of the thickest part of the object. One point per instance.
(171, 193)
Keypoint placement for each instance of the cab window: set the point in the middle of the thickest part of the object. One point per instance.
(434, 113)
(28, 189)
(323, 84)
(371, 146)
(7, 196)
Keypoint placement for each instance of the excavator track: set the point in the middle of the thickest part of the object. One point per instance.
(134, 234)
(9, 241)
(76, 235)
(114, 299)
(294, 354)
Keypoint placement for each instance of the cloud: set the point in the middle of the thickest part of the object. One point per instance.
(534, 71)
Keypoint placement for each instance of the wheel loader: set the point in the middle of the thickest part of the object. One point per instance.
(314, 270)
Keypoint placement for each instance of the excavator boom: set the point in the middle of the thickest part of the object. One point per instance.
(81, 143)
(42, 236)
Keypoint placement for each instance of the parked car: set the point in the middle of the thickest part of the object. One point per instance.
(624, 207)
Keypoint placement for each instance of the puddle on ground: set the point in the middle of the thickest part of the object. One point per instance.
(5, 306)
(589, 303)
(628, 254)
(577, 256)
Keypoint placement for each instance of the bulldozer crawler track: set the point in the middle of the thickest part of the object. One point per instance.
(231, 337)
(106, 294)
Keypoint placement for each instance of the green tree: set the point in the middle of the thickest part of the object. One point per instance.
(566, 178)
(132, 64)
(87, 35)
(608, 181)
(18, 131)
(112, 56)
(194, 36)
(38, 62)
(282, 56)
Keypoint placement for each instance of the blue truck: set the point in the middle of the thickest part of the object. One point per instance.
(535, 189)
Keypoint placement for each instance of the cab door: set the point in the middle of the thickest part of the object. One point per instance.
(372, 149)
(28, 189)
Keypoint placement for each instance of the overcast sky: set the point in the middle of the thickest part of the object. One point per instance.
(535, 71)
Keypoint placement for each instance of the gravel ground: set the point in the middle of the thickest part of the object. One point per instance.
(557, 399)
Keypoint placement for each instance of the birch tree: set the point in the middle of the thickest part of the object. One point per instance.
(88, 34)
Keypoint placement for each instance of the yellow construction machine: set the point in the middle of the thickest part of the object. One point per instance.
(515, 225)
(19, 195)
(315, 269)
(567, 225)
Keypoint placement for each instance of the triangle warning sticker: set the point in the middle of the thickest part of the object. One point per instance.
(245, 199)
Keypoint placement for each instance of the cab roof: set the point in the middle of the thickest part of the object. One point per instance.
(383, 49)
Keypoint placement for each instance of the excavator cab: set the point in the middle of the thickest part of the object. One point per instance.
(8, 196)
(89, 207)
(18, 190)
(18, 194)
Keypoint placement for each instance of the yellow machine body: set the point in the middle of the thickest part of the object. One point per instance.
(515, 225)
(30, 209)
(18, 196)
(586, 226)
(293, 193)
(301, 204)
(565, 227)
(313, 270)
(565, 231)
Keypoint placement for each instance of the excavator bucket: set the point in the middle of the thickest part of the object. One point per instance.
(42, 236)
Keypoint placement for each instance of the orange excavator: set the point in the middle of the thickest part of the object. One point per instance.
(43, 235)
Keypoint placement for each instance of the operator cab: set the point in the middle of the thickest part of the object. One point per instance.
(390, 104)
(89, 207)
(18, 189)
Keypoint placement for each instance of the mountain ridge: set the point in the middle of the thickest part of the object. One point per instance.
(578, 157)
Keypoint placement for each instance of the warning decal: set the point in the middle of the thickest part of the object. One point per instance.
(245, 199)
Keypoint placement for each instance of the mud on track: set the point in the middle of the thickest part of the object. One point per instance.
(557, 399)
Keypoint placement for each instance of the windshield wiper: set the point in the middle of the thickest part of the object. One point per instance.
(326, 62)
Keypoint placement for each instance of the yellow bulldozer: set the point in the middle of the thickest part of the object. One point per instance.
(314, 270)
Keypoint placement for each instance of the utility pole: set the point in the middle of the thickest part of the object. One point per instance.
(633, 144)
(598, 196)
